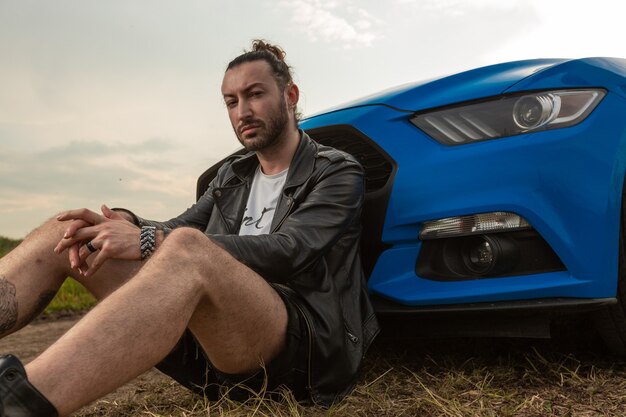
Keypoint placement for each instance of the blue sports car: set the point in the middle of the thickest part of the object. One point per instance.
(493, 197)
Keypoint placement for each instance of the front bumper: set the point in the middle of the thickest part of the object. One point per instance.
(567, 183)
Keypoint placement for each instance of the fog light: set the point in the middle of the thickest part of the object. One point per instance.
(489, 255)
(485, 257)
(479, 257)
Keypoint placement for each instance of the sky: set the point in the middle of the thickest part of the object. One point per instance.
(119, 102)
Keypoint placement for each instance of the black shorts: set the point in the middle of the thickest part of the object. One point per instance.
(188, 364)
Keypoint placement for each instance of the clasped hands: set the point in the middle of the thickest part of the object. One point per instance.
(105, 236)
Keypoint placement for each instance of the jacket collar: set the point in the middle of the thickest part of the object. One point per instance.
(300, 169)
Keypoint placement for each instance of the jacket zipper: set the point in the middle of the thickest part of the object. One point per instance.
(351, 336)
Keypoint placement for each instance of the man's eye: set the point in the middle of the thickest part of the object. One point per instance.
(256, 93)
(231, 104)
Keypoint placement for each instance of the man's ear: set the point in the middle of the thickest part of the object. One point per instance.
(293, 95)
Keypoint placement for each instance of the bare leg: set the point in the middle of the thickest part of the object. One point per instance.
(236, 316)
(29, 278)
(32, 273)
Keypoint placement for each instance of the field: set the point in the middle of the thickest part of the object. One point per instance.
(570, 376)
(7, 244)
(454, 377)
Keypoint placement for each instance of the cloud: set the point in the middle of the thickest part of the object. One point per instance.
(457, 7)
(335, 22)
(97, 167)
(151, 177)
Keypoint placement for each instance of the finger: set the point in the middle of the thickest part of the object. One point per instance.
(81, 214)
(70, 232)
(64, 244)
(84, 234)
(73, 254)
(97, 262)
(110, 214)
(83, 268)
(74, 226)
(85, 252)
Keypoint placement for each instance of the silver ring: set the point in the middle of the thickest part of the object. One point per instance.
(90, 247)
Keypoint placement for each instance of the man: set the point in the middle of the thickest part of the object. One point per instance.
(259, 281)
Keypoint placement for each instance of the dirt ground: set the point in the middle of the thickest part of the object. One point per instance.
(456, 377)
(36, 337)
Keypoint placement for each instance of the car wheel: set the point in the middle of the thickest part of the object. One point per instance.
(610, 322)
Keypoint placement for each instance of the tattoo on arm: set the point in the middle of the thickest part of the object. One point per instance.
(8, 306)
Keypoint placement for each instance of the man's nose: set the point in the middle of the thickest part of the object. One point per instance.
(244, 111)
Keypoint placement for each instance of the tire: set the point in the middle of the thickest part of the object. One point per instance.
(610, 322)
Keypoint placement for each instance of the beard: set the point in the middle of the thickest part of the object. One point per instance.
(268, 134)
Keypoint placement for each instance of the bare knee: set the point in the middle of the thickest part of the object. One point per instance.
(190, 244)
(38, 245)
(51, 228)
(197, 257)
(190, 250)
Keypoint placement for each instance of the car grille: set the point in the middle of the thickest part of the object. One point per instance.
(375, 162)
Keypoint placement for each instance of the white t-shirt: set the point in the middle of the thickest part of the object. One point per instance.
(259, 213)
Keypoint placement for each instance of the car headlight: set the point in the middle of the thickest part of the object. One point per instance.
(508, 115)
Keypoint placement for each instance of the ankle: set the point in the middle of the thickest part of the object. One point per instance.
(18, 397)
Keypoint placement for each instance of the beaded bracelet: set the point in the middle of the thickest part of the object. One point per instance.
(147, 241)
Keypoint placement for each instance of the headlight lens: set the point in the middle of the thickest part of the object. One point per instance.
(508, 116)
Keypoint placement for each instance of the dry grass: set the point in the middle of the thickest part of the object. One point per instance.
(447, 378)
(443, 378)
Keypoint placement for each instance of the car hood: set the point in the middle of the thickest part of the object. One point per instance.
(477, 83)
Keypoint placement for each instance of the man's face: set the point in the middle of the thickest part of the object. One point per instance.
(256, 105)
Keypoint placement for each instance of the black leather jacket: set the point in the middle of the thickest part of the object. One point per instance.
(311, 254)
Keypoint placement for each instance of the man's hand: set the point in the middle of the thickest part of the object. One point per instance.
(109, 233)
